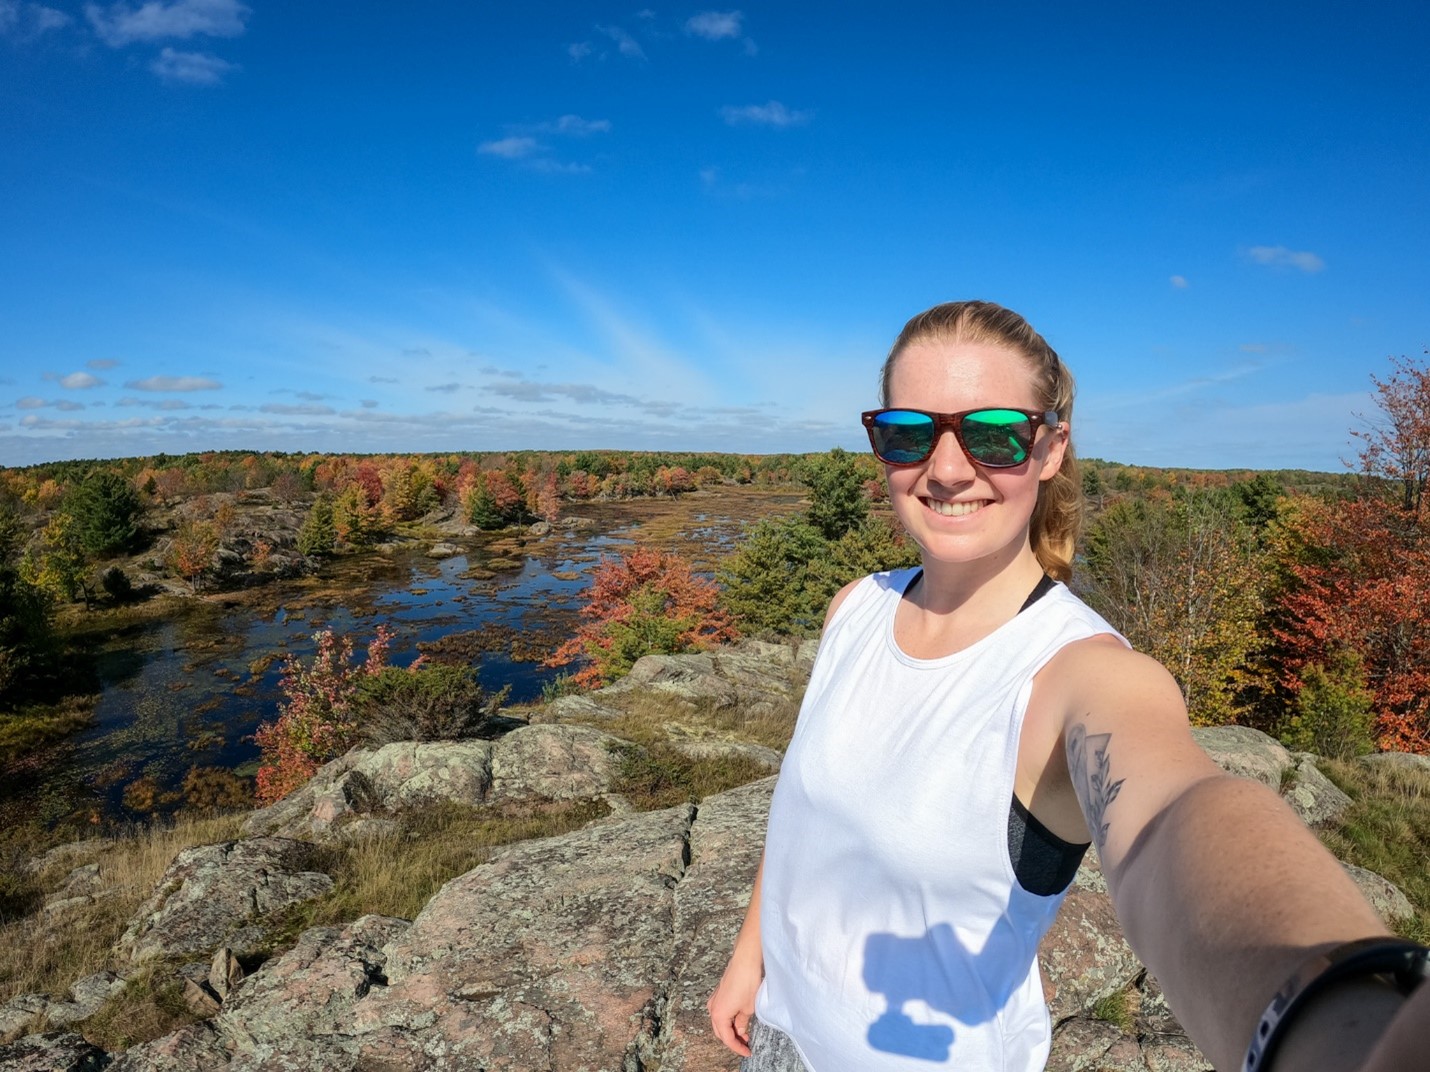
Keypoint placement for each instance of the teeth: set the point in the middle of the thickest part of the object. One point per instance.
(953, 509)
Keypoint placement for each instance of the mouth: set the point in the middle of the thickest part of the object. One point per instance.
(954, 509)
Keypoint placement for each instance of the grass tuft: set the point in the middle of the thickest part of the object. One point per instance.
(1387, 830)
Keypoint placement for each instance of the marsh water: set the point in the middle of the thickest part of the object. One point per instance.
(187, 690)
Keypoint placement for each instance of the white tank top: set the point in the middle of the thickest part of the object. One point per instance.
(895, 934)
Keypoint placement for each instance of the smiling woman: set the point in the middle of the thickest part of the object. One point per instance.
(969, 728)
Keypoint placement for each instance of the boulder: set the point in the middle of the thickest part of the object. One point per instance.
(1245, 752)
(1384, 896)
(1312, 795)
(1084, 957)
(1396, 760)
(444, 550)
(86, 998)
(216, 895)
(547, 761)
(54, 1051)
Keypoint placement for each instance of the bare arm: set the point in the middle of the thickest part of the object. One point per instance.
(1220, 888)
(733, 1002)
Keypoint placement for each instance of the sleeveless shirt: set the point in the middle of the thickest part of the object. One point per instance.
(895, 934)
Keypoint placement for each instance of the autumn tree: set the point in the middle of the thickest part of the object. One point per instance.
(191, 550)
(1395, 443)
(55, 559)
(642, 602)
(26, 641)
(1181, 579)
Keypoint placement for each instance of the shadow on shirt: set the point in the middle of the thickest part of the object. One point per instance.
(938, 970)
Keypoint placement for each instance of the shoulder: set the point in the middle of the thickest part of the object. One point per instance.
(1102, 672)
(894, 581)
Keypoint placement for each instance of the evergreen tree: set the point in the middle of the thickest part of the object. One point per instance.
(836, 492)
(106, 510)
(319, 535)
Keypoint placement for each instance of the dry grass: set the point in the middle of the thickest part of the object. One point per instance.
(649, 717)
(1387, 830)
(47, 953)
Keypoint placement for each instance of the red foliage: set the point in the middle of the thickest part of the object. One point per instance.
(1360, 580)
(315, 721)
(642, 582)
(370, 480)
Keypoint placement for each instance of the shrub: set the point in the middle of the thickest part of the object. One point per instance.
(430, 703)
(117, 585)
(316, 720)
(643, 602)
(1335, 711)
(319, 535)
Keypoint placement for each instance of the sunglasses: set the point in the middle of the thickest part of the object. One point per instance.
(997, 438)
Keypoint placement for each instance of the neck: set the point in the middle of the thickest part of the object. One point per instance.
(995, 586)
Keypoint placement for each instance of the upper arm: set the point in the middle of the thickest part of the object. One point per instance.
(1129, 747)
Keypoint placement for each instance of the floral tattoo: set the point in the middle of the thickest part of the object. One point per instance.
(1091, 772)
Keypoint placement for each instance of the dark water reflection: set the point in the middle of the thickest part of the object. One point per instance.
(189, 691)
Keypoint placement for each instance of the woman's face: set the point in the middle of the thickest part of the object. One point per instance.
(953, 508)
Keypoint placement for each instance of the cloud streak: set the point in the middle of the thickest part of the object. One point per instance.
(1281, 257)
(770, 114)
(174, 383)
(191, 68)
(123, 23)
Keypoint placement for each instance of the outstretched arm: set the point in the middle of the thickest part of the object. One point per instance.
(1220, 888)
(733, 1002)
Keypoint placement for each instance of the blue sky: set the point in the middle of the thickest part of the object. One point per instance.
(480, 226)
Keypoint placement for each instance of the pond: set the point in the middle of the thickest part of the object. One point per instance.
(188, 691)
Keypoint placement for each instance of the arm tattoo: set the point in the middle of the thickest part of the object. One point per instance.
(1091, 777)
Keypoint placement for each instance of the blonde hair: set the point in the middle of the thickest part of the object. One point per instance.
(1057, 517)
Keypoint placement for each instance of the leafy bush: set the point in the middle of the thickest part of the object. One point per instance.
(430, 703)
(643, 603)
(117, 585)
(316, 720)
(1335, 710)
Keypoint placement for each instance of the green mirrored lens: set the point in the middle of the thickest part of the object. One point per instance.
(998, 437)
(903, 436)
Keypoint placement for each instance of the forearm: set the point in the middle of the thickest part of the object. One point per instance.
(1222, 896)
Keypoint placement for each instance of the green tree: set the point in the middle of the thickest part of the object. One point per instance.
(318, 535)
(836, 492)
(106, 510)
(1335, 709)
(55, 561)
(26, 641)
(769, 582)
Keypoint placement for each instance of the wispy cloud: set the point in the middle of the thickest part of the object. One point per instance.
(191, 68)
(1179, 282)
(167, 404)
(122, 23)
(771, 114)
(102, 363)
(714, 25)
(515, 147)
(31, 402)
(445, 388)
(523, 144)
(1281, 257)
(307, 409)
(174, 383)
(720, 26)
(78, 381)
(625, 44)
(26, 21)
(382, 379)
(578, 50)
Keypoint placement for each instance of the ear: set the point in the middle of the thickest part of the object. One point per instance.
(1057, 445)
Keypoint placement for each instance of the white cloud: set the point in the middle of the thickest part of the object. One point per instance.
(578, 51)
(369, 403)
(174, 383)
(625, 43)
(122, 23)
(513, 148)
(193, 68)
(575, 125)
(304, 410)
(26, 21)
(773, 114)
(445, 388)
(77, 381)
(1179, 282)
(1281, 257)
(714, 25)
(30, 402)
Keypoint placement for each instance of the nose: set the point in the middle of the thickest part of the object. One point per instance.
(948, 464)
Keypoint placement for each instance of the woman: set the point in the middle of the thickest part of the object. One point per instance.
(969, 726)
